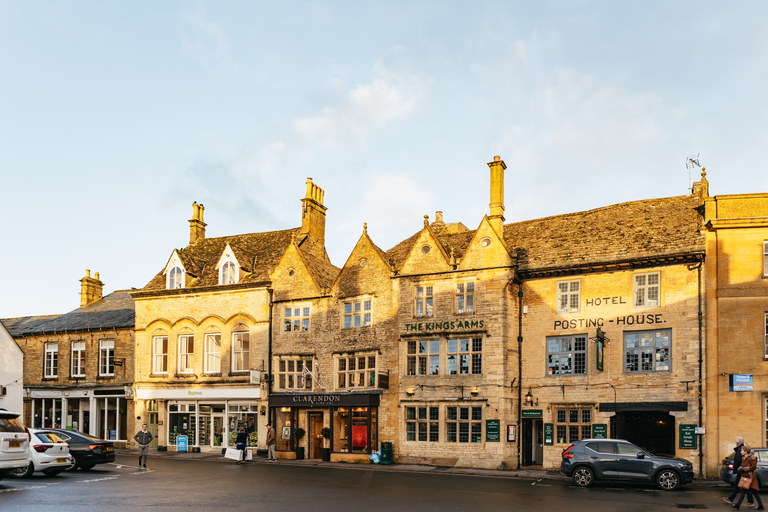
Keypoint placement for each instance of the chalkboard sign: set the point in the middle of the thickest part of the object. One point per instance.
(688, 436)
(492, 431)
(549, 434)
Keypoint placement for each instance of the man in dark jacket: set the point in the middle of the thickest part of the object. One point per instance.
(736, 470)
(143, 437)
(241, 441)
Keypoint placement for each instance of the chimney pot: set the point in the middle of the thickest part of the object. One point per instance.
(497, 158)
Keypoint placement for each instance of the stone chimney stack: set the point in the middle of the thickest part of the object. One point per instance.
(313, 220)
(196, 224)
(90, 289)
(497, 194)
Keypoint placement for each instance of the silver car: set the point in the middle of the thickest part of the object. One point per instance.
(14, 443)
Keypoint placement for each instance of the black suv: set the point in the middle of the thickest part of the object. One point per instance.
(615, 459)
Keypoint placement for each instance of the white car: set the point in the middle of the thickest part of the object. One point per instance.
(14, 443)
(48, 453)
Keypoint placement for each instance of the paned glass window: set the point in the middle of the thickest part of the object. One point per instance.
(647, 289)
(175, 278)
(766, 335)
(213, 353)
(423, 357)
(647, 351)
(241, 349)
(107, 358)
(51, 366)
(186, 353)
(464, 424)
(296, 318)
(357, 313)
(228, 273)
(567, 355)
(465, 356)
(293, 373)
(765, 259)
(465, 297)
(78, 358)
(423, 301)
(422, 424)
(573, 424)
(569, 296)
(356, 371)
(160, 354)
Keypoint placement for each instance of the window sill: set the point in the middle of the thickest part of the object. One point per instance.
(239, 373)
(212, 374)
(185, 375)
(105, 377)
(158, 375)
(50, 379)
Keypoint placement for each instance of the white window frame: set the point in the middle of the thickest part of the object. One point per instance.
(213, 352)
(77, 365)
(464, 354)
(569, 296)
(766, 335)
(358, 313)
(296, 318)
(290, 370)
(424, 300)
(354, 369)
(465, 297)
(422, 423)
(765, 258)
(186, 353)
(241, 350)
(643, 289)
(464, 418)
(160, 355)
(575, 348)
(228, 273)
(423, 357)
(647, 347)
(107, 357)
(51, 365)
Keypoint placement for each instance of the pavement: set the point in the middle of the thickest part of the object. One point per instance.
(527, 473)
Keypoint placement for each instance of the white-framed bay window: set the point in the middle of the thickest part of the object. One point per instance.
(213, 353)
(77, 364)
(51, 361)
(107, 357)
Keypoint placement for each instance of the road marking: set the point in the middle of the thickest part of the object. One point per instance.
(10, 490)
(100, 479)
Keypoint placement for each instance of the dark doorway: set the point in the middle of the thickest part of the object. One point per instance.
(316, 439)
(533, 442)
(652, 430)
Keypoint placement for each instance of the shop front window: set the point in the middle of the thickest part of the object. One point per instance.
(243, 416)
(111, 418)
(354, 437)
(284, 428)
(341, 429)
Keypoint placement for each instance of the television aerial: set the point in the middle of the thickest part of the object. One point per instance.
(690, 163)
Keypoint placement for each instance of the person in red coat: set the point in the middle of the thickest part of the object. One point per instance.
(747, 469)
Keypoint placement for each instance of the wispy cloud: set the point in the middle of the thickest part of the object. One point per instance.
(205, 40)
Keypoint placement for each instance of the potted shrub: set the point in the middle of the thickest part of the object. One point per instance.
(298, 433)
(326, 451)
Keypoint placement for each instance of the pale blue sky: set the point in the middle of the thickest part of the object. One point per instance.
(116, 116)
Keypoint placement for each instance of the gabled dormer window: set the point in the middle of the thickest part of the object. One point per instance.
(229, 270)
(174, 273)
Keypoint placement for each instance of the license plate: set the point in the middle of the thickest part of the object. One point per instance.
(14, 444)
(107, 448)
(62, 461)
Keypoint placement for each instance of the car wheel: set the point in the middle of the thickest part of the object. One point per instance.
(86, 467)
(75, 463)
(583, 476)
(52, 472)
(24, 472)
(668, 480)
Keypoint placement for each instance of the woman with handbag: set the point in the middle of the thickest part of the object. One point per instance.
(748, 479)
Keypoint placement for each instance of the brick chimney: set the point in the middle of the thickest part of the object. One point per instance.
(196, 224)
(313, 220)
(90, 289)
(497, 194)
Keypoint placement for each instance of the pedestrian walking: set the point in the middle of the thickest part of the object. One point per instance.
(143, 437)
(271, 443)
(747, 481)
(241, 441)
(736, 465)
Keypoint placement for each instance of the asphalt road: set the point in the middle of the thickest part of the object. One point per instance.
(202, 485)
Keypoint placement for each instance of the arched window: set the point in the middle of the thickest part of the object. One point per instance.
(175, 278)
(228, 273)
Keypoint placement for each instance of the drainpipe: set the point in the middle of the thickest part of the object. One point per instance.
(701, 406)
(269, 360)
(519, 366)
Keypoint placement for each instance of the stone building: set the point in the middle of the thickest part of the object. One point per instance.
(78, 367)
(11, 372)
(737, 323)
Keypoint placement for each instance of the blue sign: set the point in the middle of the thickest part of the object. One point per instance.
(181, 443)
(112, 435)
(741, 382)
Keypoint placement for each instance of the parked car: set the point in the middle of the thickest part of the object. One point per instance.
(86, 450)
(590, 460)
(47, 452)
(14, 443)
(726, 470)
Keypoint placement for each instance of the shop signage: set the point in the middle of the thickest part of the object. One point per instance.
(324, 400)
(445, 326)
(582, 323)
(44, 394)
(549, 434)
(688, 436)
(740, 382)
(599, 431)
(198, 393)
(492, 431)
(531, 413)
(181, 443)
(256, 377)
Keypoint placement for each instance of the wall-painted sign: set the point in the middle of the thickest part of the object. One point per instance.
(492, 431)
(181, 443)
(741, 382)
(445, 326)
(531, 413)
(605, 301)
(583, 323)
(599, 431)
(549, 434)
(688, 436)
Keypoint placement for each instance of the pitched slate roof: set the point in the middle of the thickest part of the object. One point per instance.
(649, 228)
(323, 272)
(115, 311)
